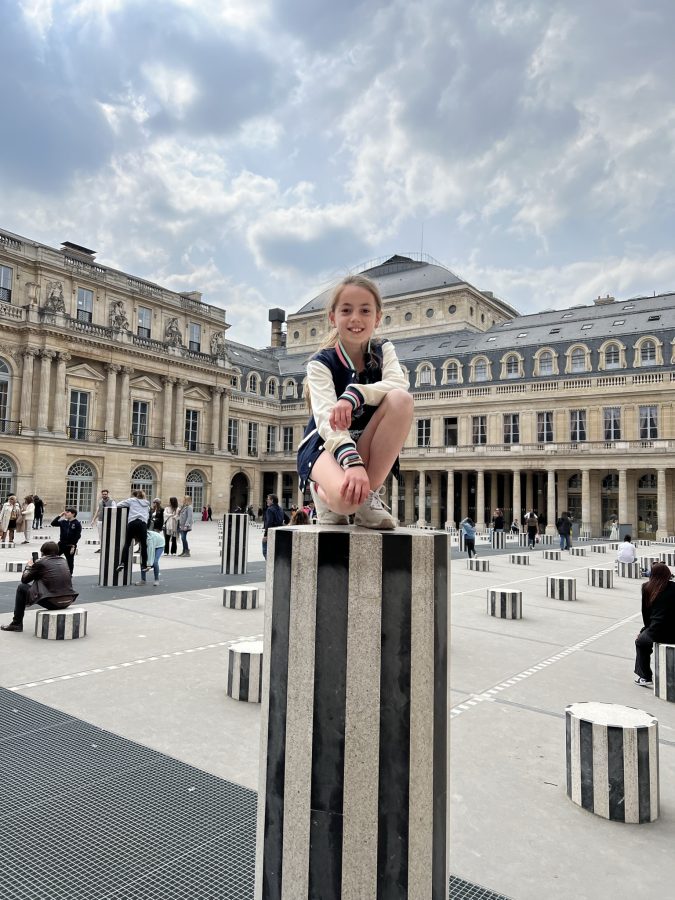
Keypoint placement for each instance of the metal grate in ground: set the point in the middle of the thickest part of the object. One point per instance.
(89, 815)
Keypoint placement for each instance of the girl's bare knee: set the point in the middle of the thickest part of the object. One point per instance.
(401, 400)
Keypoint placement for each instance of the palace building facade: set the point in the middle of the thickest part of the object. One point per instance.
(108, 380)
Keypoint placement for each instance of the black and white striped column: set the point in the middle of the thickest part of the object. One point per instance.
(61, 624)
(15, 566)
(546, 540)
(561, 588)
(664, 671)
(523, 539)
(598, 548)
(601, 578)
(244, 671)
(498, 540)
(113, 533)
(613, 761)
(240, 598)
(554, 555)
(478, 565)
(7, 545)
(629, 570)
(462, 538)
(578, 551)
(519, 559)
(353, 777)
(503, 604)
(668, 558)
(235, 544)
(646, 562)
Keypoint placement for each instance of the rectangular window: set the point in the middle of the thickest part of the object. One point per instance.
(139, 423)
(577, 424)
(4, 396)
(544, 427)
(649, 423)
(511, 428)
(271, 444)
(252, 438)
(424, 432)
(450, 431)
(233, 435)
(144, 322)
(5, 284)
(479, 429)
(191, 429)
(79, 415)
(85, 305)
(288, 438)
(195, 337)
(612, 421)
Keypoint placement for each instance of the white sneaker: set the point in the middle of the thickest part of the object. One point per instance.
(373, 514)
(324, 515)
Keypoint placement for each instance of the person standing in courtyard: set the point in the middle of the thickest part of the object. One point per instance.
(46, 581)
(39, 511)
(70, 533)
(658, 616)
(171, 513)
(156, 521)
(137, 527)
(532, 527)
(185, 523)
(28, 514)
(360, 412)
(564, 527)
(469, 531)
(273, 517)
(498, 520)
(10, 518)
(106, 502)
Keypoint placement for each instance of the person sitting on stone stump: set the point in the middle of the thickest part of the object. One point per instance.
(47, 582)
(626, 552)
(658, 615)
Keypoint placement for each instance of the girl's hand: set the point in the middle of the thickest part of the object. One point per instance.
(355, 487)
(340, 417)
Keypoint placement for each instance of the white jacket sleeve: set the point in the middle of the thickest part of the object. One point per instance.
(373, 394)
(323, 398)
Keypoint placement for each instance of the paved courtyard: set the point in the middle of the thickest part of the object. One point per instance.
(152, 672)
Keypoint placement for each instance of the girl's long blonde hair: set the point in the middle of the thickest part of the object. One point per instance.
(332, 338)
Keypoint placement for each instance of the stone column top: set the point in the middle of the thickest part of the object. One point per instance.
(182, 382)
(168, 380)
(112, 368)
(47, 354)
(64, 356)
(216, 389)
(127, 370)
(30, 351)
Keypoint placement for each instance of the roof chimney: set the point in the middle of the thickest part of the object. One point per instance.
(277, 317)
(603, 301)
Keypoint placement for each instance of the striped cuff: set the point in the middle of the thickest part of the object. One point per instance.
(347, 456)
(354, 396)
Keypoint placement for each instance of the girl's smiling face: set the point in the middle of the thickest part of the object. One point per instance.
(355, 316)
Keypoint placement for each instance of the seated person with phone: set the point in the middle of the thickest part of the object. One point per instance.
(45, 581)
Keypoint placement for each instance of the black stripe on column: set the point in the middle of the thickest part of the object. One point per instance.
(394, 768)
(60, 626)
(76, 626)
(503, 600)
(45, 626)
(244, 674)
(276, 738)
(586, 759)
(230, 672)
(617, 806)
(440, 786)
(568, 753)
(328, 738)
(669, 674)
(644, 792)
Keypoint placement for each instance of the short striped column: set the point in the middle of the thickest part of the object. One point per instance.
(462, 538)
(244, 671)
(504, 604)
(235, 544)
(497, 540)
(519, 559)
(352, 798)
(629, 570)
(523, 539)
(92, 542)
(7, 545)
(240, 598)
(61, 624)
(561, 588)
(664, 671)
(669, 540)
(546, 540)
(668, 558)
(643, 542)
(578, 551)
(113, 532)
(646, 562)
(613, 545)
(598, 548)
(15, 566)
(478, 565)
(554, 555)
(601, 578)
(612, 757)
(585, 534)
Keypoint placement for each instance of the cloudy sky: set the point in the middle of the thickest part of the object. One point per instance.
(258, 149)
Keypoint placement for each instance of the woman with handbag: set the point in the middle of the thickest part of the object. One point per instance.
(10, 518)
(170, 527)
(28, 514)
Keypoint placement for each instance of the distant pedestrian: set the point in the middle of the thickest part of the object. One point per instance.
(300, 517)
(185, 523)
(273, 518)
(137, 527)
(156, 521)
(28, 514)
(498, 520)
(205, 514)
(210, 512)
(39, 511)
(106, 502)
(564, 526)
(171, 525)
(70, 533)
(10, 518)
(251, 514)
(469, 531)
(532, 527)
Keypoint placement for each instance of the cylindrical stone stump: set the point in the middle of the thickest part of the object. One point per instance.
(554, 555)
(601, 578)
(585, 534)
(523, 539)
(497, 540)
(561, 588)
(646, 562)
(7, 545)
(15, 566)
(353, 776)
(546, 539)
(462, 545)
(664, 672)
(234, 550)
(478, 565)
(504, 604)
(240, 598)
(643, 542)
(613, 761)
(113, 532)
(578, 551)
(519, 559)
(598, 548)
(629, 570)
(61, 624)
(668, 558)
(244, 671)
(92, 542)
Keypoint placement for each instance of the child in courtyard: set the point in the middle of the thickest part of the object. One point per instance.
(361, 412)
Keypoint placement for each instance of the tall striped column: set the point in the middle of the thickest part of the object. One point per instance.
(353, 772)
(235, 544)
(612, 756)
(664, 671)
(113, 532)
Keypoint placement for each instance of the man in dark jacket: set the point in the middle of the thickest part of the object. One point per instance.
(39, 511)
(273, 517)
(46, 582)
(564, 526)
(71, 532)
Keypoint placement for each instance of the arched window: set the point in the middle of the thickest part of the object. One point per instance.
(647, 482)
(7, 478)
(546, 363)
(574, 483)
(648, 353)
(80, 486)
(194, 488)
(425, 375)
(578, 360)
(512, 367)
(143, 479)
(610, 482)
(272, 387)
(289, 389)
(452, 373)
(612, 356)
(4, 395)
(253, 382)
(481, 369)
(235, 379)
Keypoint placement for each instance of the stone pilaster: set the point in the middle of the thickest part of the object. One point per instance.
(394, 497)
(421, 498)
(25, 414)
(623, 495)
(125, 404)
(551, 514)
(450, 500)
(46, 357)
(179, 422)
(216, 397)
(480, 499)
(517, 501)
(111, 399)
(585, 499)
(59, 424)
(167, 409)
(662, 503)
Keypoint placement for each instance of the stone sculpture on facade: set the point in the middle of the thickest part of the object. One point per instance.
(172, 333)
(117, 316)
(218, 345)
(55, 302)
